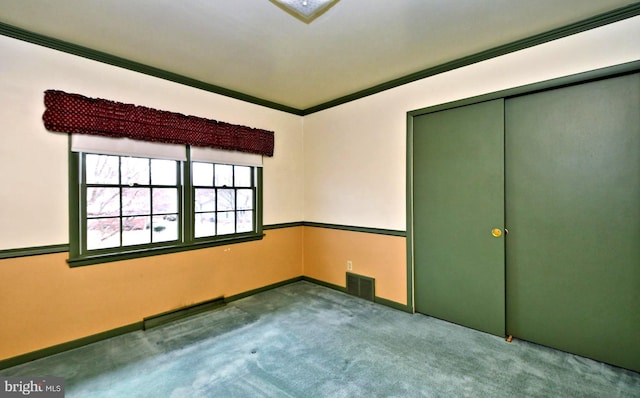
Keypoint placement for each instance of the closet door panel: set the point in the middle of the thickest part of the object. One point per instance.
(573, 214)
(458, 199)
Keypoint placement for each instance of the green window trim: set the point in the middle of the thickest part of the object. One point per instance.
(78, 256)
(156, 251)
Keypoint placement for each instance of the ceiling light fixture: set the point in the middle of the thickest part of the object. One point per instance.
(305, 10)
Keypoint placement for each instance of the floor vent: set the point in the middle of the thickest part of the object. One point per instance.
(170, 316)
(361, 286)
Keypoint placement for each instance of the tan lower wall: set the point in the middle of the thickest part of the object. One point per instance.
(382, 257)
(43, 302)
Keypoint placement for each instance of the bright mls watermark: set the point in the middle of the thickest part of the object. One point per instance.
(40, 387)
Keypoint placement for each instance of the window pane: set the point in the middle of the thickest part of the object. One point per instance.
(205, 225)
(165, 200)
(163, 172)
(164, 228)
(202, 174)
(226, 199)
(103, 233)
(135, 230)
(243, 176)
(226, 222)
(205, 200)
(224, 175)
(134, 171)
(103, 202)
(245, 199)
(245, 221)
(135, 223)
(101, 169)
(136, 201)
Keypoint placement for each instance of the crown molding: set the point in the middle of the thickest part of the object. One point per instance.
(85, 52)
(568, 30)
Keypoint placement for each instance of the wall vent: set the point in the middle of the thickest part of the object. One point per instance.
(361, 286)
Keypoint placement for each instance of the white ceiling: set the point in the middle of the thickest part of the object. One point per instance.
(255, 48)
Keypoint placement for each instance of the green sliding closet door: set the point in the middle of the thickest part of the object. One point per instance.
(573, 214)
(458, 197)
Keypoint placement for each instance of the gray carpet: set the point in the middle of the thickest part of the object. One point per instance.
(304, 340)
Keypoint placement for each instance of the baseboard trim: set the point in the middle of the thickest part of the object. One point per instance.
(70, 345)
(376, 299)
(325, 284)
(262, 289)
(393, 304)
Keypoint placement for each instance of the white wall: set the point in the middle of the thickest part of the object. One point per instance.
(33, 161)
(355, 154)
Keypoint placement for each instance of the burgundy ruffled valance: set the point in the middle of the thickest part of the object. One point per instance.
(77, 114)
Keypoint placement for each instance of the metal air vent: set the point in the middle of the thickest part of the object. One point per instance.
(361, 286)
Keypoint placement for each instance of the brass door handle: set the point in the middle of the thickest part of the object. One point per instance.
(496, 232)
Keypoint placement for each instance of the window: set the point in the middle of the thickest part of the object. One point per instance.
(223, 199)
(144, 181)
(129, 201)
(132, 206)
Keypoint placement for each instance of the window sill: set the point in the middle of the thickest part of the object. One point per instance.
(155, 251)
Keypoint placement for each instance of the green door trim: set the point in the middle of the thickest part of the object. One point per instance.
(598, 74)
